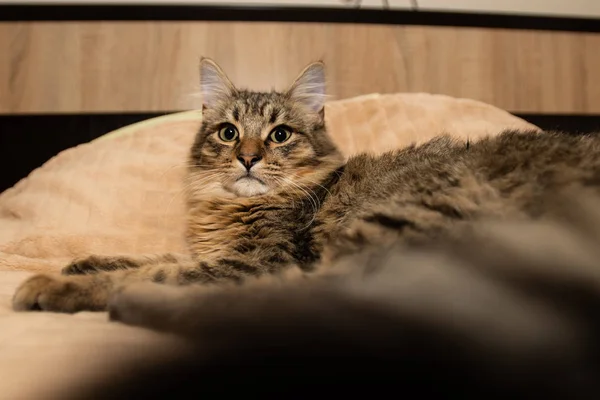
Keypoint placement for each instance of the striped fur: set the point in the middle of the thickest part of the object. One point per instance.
(507, 309)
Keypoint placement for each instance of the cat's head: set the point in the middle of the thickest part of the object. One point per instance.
(254, 143)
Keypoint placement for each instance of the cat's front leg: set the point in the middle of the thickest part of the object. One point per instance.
(89, 281)
(94, 264)
(74, 293)
(90, 292)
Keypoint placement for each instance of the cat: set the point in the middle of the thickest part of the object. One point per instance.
(268, 192)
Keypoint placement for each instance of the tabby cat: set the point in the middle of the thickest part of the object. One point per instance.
(386, 264)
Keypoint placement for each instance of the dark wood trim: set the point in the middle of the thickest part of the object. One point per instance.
(573, 123)
(41, 13)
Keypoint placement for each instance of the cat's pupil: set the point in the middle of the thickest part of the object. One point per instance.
(280, 135)
(229, 133)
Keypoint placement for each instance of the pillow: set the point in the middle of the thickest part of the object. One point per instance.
(122, 193)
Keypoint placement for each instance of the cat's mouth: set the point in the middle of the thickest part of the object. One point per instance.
(249, 185)
(250, 177)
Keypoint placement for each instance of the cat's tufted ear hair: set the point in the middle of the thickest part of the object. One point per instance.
(215, 86)
(309, 87)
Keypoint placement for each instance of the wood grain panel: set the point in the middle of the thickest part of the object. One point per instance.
(562, 8)
(152, 66)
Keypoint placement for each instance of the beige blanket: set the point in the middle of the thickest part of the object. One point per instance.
(122, 194)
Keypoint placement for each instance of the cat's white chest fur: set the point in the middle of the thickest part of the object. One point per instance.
(247, 186)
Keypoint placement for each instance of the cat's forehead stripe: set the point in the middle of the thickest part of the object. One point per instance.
(262, 107)
(251, 107)
(275, 113)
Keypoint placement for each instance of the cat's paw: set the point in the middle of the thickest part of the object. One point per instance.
(58, 294)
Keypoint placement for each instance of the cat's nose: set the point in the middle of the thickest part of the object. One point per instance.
(249, 160)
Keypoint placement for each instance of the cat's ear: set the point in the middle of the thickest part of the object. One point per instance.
(309, 87)
(214, 84)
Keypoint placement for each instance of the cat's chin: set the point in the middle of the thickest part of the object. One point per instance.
(248, 187)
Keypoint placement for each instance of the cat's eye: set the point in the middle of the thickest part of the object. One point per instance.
(280, 135)
(228, 133)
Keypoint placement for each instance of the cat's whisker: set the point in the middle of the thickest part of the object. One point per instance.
(198, 181)
(213, 166)
(307, 188)
(188, 185)
(281, 182)
(312, 182)
(314, 201)
(172, 167)
(185, 165)
(309, 193)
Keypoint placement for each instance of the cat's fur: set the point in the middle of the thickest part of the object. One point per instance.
(370, 258)
(507, 310)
